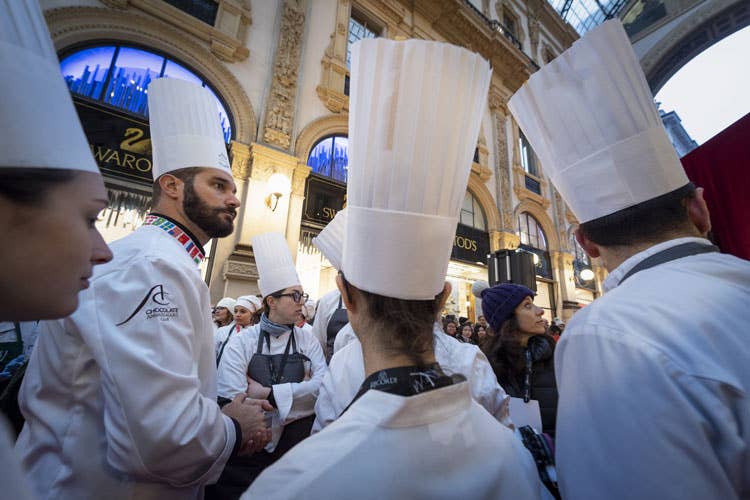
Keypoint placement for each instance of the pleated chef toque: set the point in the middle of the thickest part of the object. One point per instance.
(415, 112)
(591, 119)
(39, 127)
(185, 127)
(275, 266)
(330, 241)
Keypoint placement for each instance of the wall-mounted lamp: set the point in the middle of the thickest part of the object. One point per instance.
(587, 274)
(278, 186)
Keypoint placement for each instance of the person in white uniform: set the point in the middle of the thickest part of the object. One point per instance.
(331, 313)
(347, 369)
(223, 313)
(51, 193)
(120, 397)
(274, 360)
(653, 377)
(245, 309)
(412, 430)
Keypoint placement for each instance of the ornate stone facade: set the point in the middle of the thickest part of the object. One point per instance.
(280, 109)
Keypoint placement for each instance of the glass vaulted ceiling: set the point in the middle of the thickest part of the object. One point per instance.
(584, 15)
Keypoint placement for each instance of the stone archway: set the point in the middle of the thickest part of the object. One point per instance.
(700, 28)
(317, 129)
(71, 26)
(480, 192)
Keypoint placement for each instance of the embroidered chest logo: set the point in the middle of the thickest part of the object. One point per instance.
(382, 380)
(156, 305)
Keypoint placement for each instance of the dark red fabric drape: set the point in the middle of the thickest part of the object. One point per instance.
(722, 167)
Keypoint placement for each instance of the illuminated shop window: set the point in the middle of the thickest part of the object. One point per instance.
(119, 75)
(330, 157)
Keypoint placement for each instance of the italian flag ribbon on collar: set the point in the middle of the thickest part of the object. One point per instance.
(181, 236)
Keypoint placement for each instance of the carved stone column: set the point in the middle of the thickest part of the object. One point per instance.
(499, 112)
(502, 240)
(296, 204)
(279, 121)
(533, 24)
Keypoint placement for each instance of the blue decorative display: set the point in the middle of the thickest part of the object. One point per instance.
(330, 157)
(119, 76)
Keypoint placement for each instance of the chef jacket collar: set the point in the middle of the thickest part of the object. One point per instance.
(392, 410)
(617, 275)
(196, 241)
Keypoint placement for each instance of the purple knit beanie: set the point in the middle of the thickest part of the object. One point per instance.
(499, 302)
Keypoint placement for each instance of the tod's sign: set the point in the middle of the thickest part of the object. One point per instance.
(470, 245)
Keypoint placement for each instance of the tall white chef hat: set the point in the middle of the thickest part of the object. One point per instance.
(415, 111)
(274, 261)
(39, 127)
(249, 302)
(330, 241)
(227, 302)
(591, 119)
(185, 127)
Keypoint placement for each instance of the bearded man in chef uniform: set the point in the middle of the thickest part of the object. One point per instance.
(120, 397)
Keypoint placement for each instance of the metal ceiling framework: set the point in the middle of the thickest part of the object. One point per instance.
(584, 15)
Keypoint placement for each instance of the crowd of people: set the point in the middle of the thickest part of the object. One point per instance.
(137, 388)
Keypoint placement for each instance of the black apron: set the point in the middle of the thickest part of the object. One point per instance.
(268, 370)
(338, 320)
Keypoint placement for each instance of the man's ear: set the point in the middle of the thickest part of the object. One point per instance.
(591, 248)
(447, 288)
(698, 212)
(346, 296)
(171, 186)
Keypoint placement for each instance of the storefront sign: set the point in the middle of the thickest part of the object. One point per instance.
(121, 144)
(470, 245)
(323, 199)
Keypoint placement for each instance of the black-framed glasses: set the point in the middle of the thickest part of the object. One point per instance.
(299, 298)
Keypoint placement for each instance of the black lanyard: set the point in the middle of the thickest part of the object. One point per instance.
(226, 341)
(670, 254)
(407, 380)
(276, 376)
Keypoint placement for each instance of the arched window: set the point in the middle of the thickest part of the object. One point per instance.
(534, 240)
(472, 213)
(330, 157)
(531, 231)
(118, 75)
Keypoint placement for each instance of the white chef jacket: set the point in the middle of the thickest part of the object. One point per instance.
(294, 400)
(327, 305)
(221, 334)
(120, 397)
(345, 336)
(346, 373)
(436, 445)
(654, 383)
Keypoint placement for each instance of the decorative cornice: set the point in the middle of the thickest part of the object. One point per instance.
(74, 25)
(225, 37)
(240, 160)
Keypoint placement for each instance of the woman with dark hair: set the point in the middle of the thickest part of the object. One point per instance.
(521, 352)
(412, 431)
(51, 193)
(466, 334)
(450, 328)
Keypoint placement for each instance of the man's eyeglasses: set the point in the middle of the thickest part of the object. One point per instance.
(295, 295)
